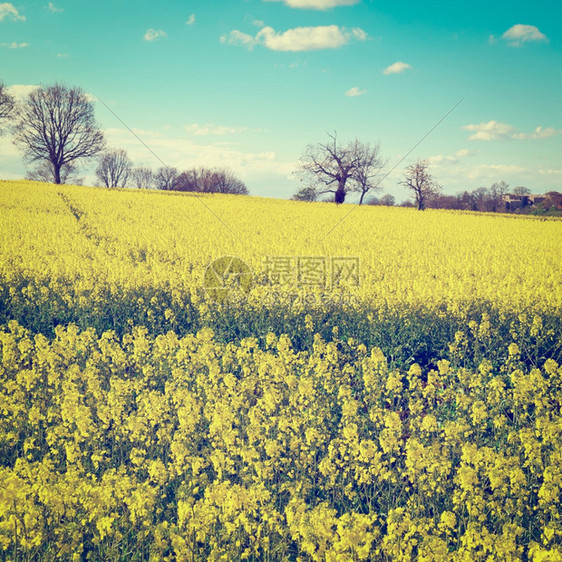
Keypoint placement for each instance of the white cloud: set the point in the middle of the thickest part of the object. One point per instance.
(297, 39)
(464, 152)
(14, 45)
(538, 133)
(397, 68)
(359, 34)
(7, 10)
(153, 34)
(452, 158)
(550, 172)
(209, 129)
(304, 38)
(190, 20)
(485, 169)
(53, 9)
(20, 91)
(317, 4)
(520, 33)
(236, 37)
(354, 92)
(493, 130)
(62, 55)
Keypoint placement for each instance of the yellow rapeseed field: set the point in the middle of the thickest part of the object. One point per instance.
(410, 411)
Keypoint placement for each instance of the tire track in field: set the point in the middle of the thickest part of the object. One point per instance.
(89, 231)
(109, 244)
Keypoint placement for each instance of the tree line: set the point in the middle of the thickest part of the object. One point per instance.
(338, 169)
(115, 169)
(332, 170)
(55, 129)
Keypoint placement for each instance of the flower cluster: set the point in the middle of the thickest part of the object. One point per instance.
(186, 448)
(414, 415)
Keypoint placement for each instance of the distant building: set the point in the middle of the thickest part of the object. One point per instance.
(553, 199)
(513, 202)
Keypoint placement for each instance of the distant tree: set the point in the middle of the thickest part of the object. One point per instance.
(407, 204)
(553, 200)
(369, 167)
(520, 190)
(444, 202)
(114, 168)
(142, 178)
(166, 178)
(7, 104)
(388, 200)
(465, 201)
(227, 182)
(480, 199)
(45, 172)
(210, 180)
(56, 124)
(497, 192)
(420, 182)
(305, 194)
(332, 167)
(191, 180)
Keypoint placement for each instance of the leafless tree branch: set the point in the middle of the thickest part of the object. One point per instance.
(7, 104)
(114, 168)
(57, 124)
(421, 183)
(333, 167)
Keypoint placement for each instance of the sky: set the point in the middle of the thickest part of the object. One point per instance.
(473, 87)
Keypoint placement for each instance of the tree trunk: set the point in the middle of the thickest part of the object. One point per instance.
(363, 193)
(56, 172)
(340, 193)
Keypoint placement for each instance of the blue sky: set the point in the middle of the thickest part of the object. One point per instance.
(248, 84)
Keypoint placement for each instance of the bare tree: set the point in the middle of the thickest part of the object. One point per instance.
(142, 178)
(369, 166)
(481, 199)
(45, 172)
(305, 194)
(166, 178)
(226, 182)
(208, 180)
(336, 168)
(7, 104)
(520, 190)
(114, 168)
(388, 200)
(420, 182)
(190, 180)
(57, 124)
(497, 192)
(445, 202)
